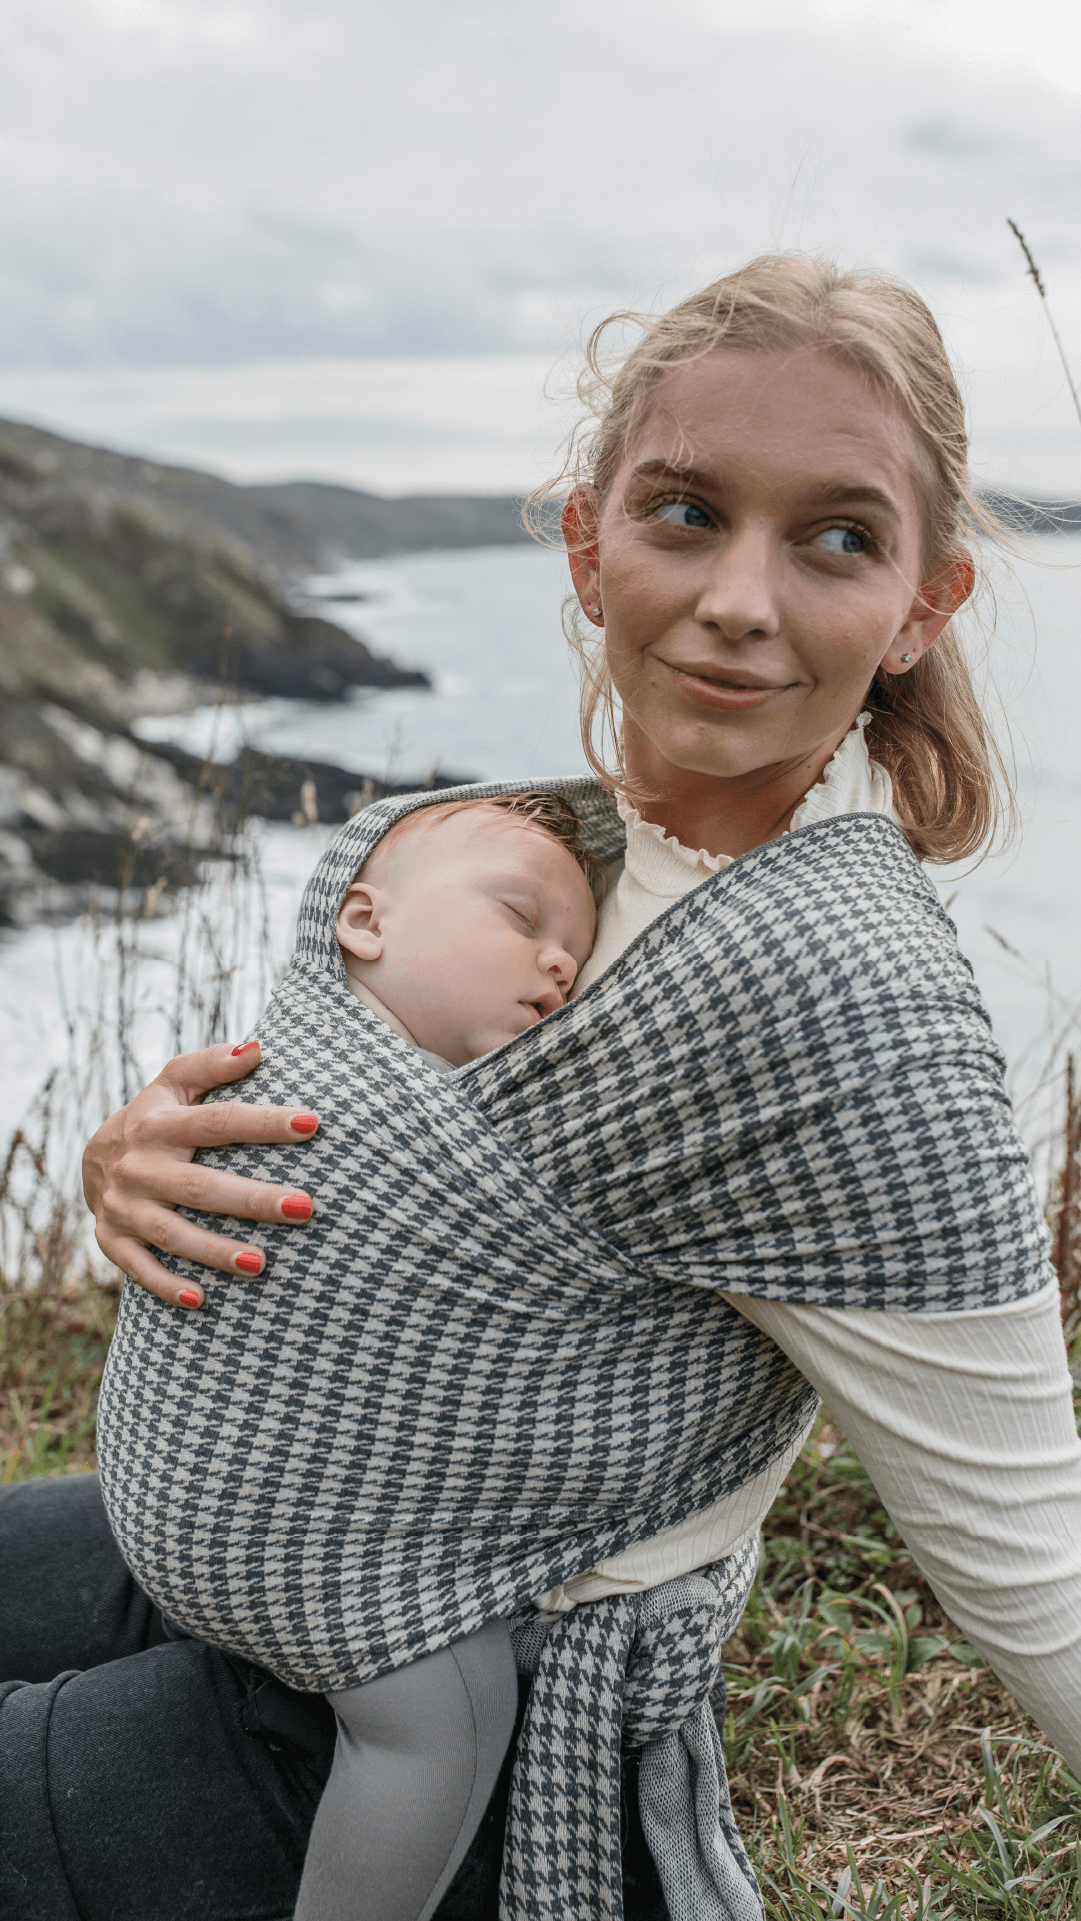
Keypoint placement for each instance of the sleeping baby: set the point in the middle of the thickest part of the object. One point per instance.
(441, 1404)
(469, 922)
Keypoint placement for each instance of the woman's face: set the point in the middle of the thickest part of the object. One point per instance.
(756, 560)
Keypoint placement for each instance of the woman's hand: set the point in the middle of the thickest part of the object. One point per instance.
(138, 1168)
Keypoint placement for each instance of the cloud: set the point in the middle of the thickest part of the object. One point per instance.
(948, 139)
(941, 265)
(119, 280)
(480, 423)
(210, 185)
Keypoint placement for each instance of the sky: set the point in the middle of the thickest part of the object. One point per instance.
(353, 241)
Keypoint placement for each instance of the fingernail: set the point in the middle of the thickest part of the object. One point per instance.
(244, 1046)
(304, 1123)
(188, 1297)
(297, 1207)
(249, 1263)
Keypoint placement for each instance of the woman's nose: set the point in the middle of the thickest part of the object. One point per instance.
(741, 592)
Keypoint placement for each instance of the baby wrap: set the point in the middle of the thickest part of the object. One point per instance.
(499, 1353)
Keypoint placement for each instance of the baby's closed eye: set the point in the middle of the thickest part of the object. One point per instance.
(523, 912)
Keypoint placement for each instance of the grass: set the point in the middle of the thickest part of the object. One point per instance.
(879, 1770)
(56, 1322)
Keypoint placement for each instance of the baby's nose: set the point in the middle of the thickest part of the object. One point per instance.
(560, 967)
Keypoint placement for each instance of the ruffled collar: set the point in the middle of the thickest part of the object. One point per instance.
(851, 783)
(645, 835)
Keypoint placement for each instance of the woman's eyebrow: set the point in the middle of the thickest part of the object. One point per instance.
(853, 493)
(686, 476)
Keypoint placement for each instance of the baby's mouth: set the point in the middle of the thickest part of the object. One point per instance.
(541, 1009)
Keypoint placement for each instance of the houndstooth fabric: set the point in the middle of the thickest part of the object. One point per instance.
(499, 1352)
(634, 1671)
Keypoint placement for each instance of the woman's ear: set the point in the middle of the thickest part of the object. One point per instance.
(934, 605)
(579, 522)
(359, 927)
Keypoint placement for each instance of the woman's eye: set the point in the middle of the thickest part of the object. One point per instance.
(841, 540)
(683, 513)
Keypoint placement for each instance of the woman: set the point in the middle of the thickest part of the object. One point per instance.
(768, 530)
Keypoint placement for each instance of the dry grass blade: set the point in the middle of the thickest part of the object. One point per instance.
(56, 1314)
(1066, 1250)
(56, 1322)
(1034, 276)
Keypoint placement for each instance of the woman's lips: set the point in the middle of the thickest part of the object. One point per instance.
(717, 693)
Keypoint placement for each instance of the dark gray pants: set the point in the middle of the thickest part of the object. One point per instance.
(149, 1779)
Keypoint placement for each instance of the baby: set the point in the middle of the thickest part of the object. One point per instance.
(469, 923)
(466, 925)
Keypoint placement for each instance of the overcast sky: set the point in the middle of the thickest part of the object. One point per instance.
(345, 239)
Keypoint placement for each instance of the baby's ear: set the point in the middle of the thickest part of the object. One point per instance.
(359, 927)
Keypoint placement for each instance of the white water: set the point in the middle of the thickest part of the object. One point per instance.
(486, 625)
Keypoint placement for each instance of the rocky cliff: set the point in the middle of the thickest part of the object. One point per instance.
(128, 588)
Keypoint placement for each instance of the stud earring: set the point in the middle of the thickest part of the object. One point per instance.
(906, 658)
(596, 613)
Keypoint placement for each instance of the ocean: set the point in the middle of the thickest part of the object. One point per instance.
(503, 705)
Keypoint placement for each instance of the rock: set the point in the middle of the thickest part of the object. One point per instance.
(276, 787)
(84, 811)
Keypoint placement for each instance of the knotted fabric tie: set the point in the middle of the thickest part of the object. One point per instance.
(632, 1671)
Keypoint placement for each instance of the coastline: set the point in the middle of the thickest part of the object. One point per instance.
(129, 590)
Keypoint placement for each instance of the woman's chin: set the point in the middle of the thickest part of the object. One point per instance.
(681, 749)
(733, 755)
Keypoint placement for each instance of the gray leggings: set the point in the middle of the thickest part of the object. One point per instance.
(417, 1757)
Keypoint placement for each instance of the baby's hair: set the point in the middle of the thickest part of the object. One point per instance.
(537, 807)
(951, 787)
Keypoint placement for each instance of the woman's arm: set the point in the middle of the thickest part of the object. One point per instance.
(138, 1169)
(965, 1424)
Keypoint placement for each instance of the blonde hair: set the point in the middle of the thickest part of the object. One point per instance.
(952, 790)
(550, 813)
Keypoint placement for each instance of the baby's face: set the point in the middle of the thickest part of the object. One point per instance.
(469, 930)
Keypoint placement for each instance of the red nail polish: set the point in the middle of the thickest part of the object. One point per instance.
(244, 1046)
(188, 1297)
(304, 1123)
(297, 1207)
(250, 1263)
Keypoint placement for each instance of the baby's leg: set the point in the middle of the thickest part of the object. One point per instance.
(418, 1755)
